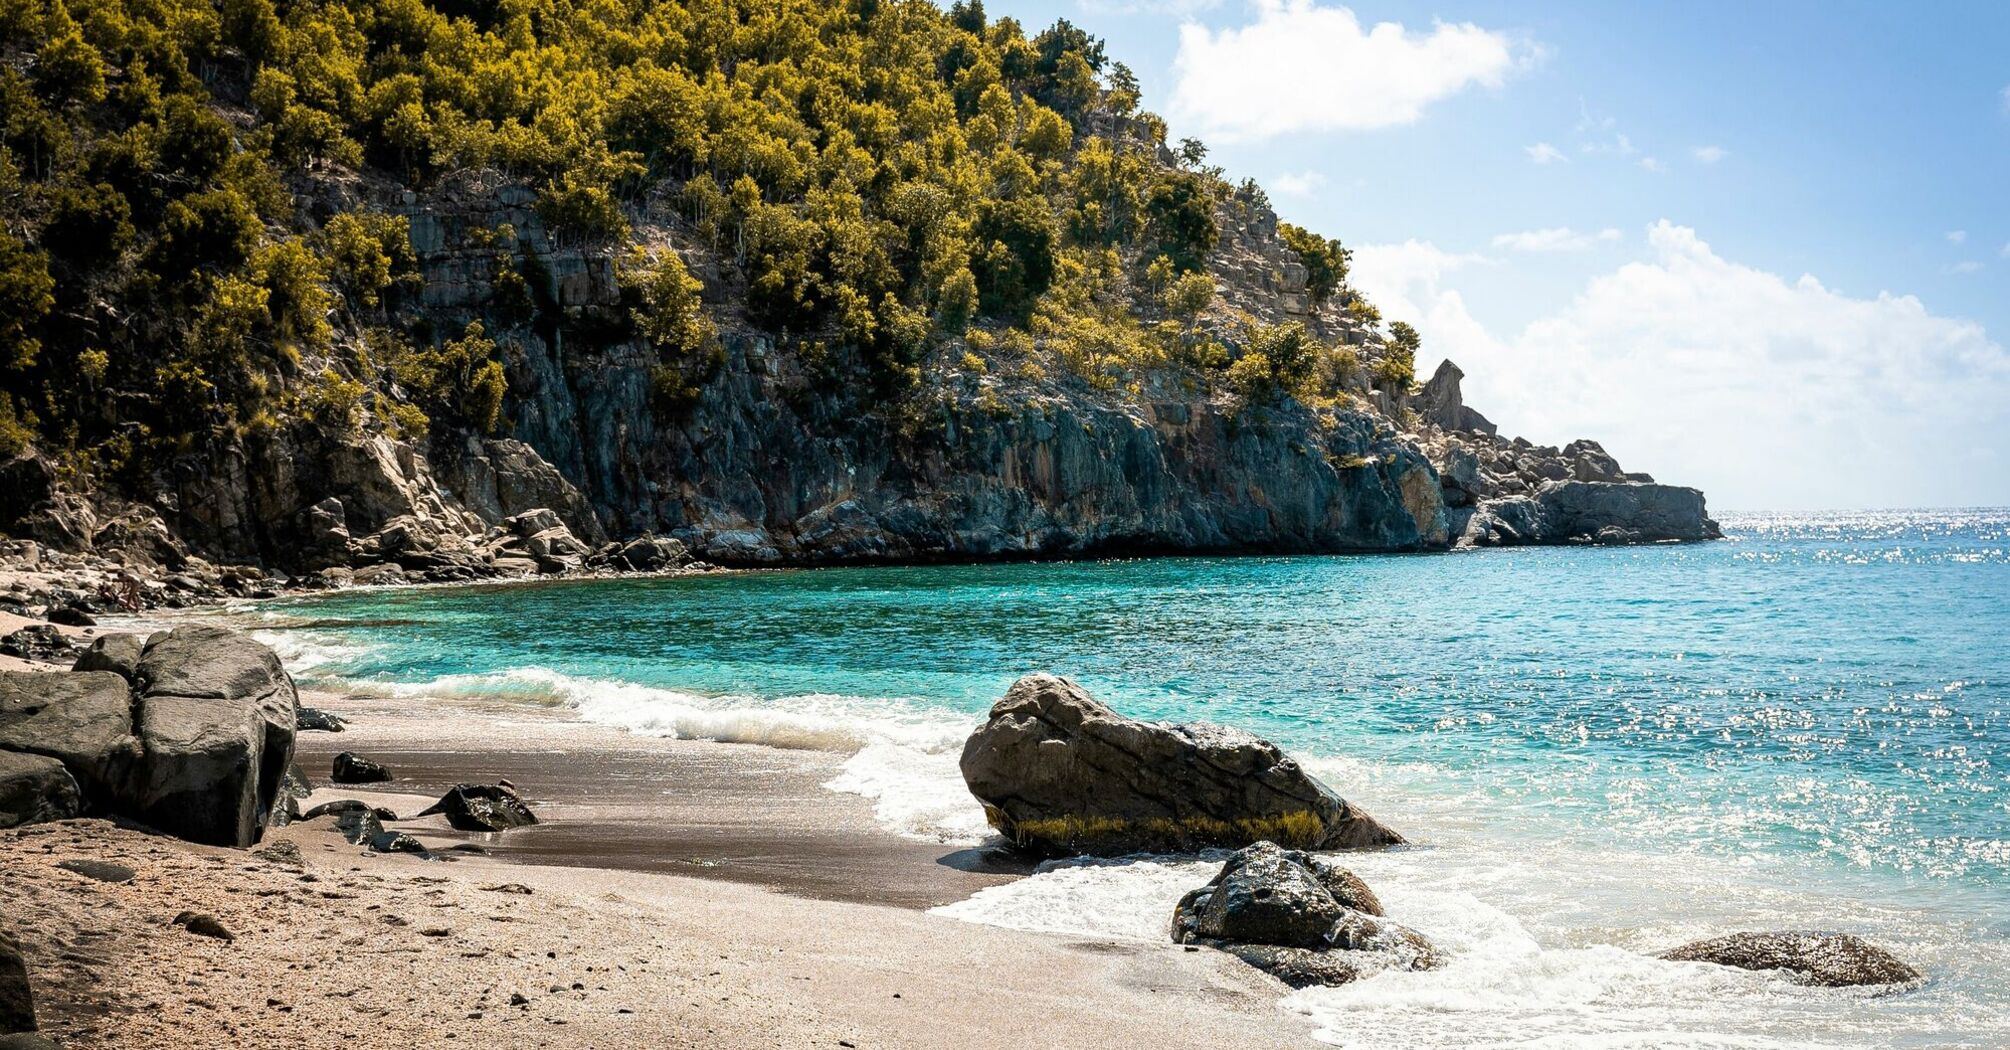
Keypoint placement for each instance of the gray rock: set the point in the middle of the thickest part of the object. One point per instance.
(28, 1041)
(483, 807)
(204, 925)
(284, 852)
(294, 789)
(1826, 960)
(71, 616)
(651, 553)
(36, 788)
(117, 653)
(352, 768)
(217, 721)
(100, 870)
(1441, 402)
(1298, 916)
(83, 720)
(17, 996)
(1059, 773)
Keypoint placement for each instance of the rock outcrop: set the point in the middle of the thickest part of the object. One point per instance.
(196, 742)
(1060, 774)
(1300, 917)
(17, 996)
(1825, 960)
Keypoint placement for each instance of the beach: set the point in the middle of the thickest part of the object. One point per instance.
(680, 894)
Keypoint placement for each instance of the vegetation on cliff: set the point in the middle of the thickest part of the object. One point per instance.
(886, 188)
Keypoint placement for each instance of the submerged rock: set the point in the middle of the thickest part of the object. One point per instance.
(1826, 960)
(1298, 916)
(1061, 774)
(483, 807)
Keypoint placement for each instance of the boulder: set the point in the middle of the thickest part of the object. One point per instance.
(71, 616)
(1298, 916)
(483, 807)
(650, 553)
(117, 653)
(352, 768)
(532, 522)
(294, 789)
(1060, 774)
(1825, 960)
(217, 720)
(82, 720)
(28, 1041)
(17, 998)
(319, 721)
(1653, 513)
(1442, 403)
(36, 788)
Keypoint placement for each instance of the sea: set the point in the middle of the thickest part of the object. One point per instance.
(1598, 753)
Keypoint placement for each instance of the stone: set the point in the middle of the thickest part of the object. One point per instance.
(217, 720)
(397, 842)
(71, 616)
(101, 870)
(483, 807)
(294, 789)
(315, 720)
(28, 1041)
(1441, 403)
(1824, 960)
(39, 642)
(1653, 512)
(82, 720)
(652, 554)
(352, 768)
(531, 522)
(17, 996)
(285, 851)
(203, 925)
(1299, 917)
(1061, 774)
(117, 653)
(35, 789)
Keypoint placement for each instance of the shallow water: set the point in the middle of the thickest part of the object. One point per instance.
(1603, 752)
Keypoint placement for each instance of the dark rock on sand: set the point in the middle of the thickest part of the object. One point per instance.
(1060, 774)
(217, 716)
(397, 842)
(28, 1041)
(1826, 960)
(483, 807)
(71, 616)
(101, 870)
(1298, 916)
(359, 822)
(117, 653)
(36, 788)
(38, 641)
(294, 788)
(352, 768)
(81, 720)
(17, 998)
(204, 925)
(282, 852)
(313, 719)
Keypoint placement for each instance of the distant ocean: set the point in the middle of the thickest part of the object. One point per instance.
(1601, 752)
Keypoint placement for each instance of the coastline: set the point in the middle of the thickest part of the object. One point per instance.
(712, 895)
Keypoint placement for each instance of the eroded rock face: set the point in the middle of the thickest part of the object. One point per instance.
(1299, 917)
(196, 743)
(1061, 774)
(1826, 960)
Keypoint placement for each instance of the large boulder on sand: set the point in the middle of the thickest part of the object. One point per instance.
(84, 721)
(1061, 774)
(1825, 960)
(217, 720)
(1299, 916)
(117, 653)
(35, 788)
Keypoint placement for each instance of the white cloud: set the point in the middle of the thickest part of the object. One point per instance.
(1618, 145)
(1653, 165)
(1709, 154)
(1767, 392)
(1170, 8)
(1957, 236)
(1298, 183)
(1544, 153)
(1303, 67)
(1554, 239)
(1964, 266)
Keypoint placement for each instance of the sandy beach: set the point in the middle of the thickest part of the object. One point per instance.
(676, 894)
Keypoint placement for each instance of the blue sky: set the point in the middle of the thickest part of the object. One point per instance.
(1763, 249)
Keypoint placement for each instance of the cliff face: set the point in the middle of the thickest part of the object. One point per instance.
(773, 462)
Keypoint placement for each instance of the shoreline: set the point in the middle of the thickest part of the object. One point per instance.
(677, 893)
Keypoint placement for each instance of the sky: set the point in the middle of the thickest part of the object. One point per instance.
(1762, 249)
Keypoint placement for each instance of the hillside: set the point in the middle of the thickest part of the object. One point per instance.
(320, 286)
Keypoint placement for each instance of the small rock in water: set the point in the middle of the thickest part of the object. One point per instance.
(1824, 960)
(101, 870)
(352, 768)
(204, 925)
(483, 807)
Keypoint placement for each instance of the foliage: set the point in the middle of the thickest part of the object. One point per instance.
(1325, 260)
(1398, 366)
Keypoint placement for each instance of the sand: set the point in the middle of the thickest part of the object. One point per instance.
(680, 894)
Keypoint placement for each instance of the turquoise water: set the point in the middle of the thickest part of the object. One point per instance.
(1603, 749)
